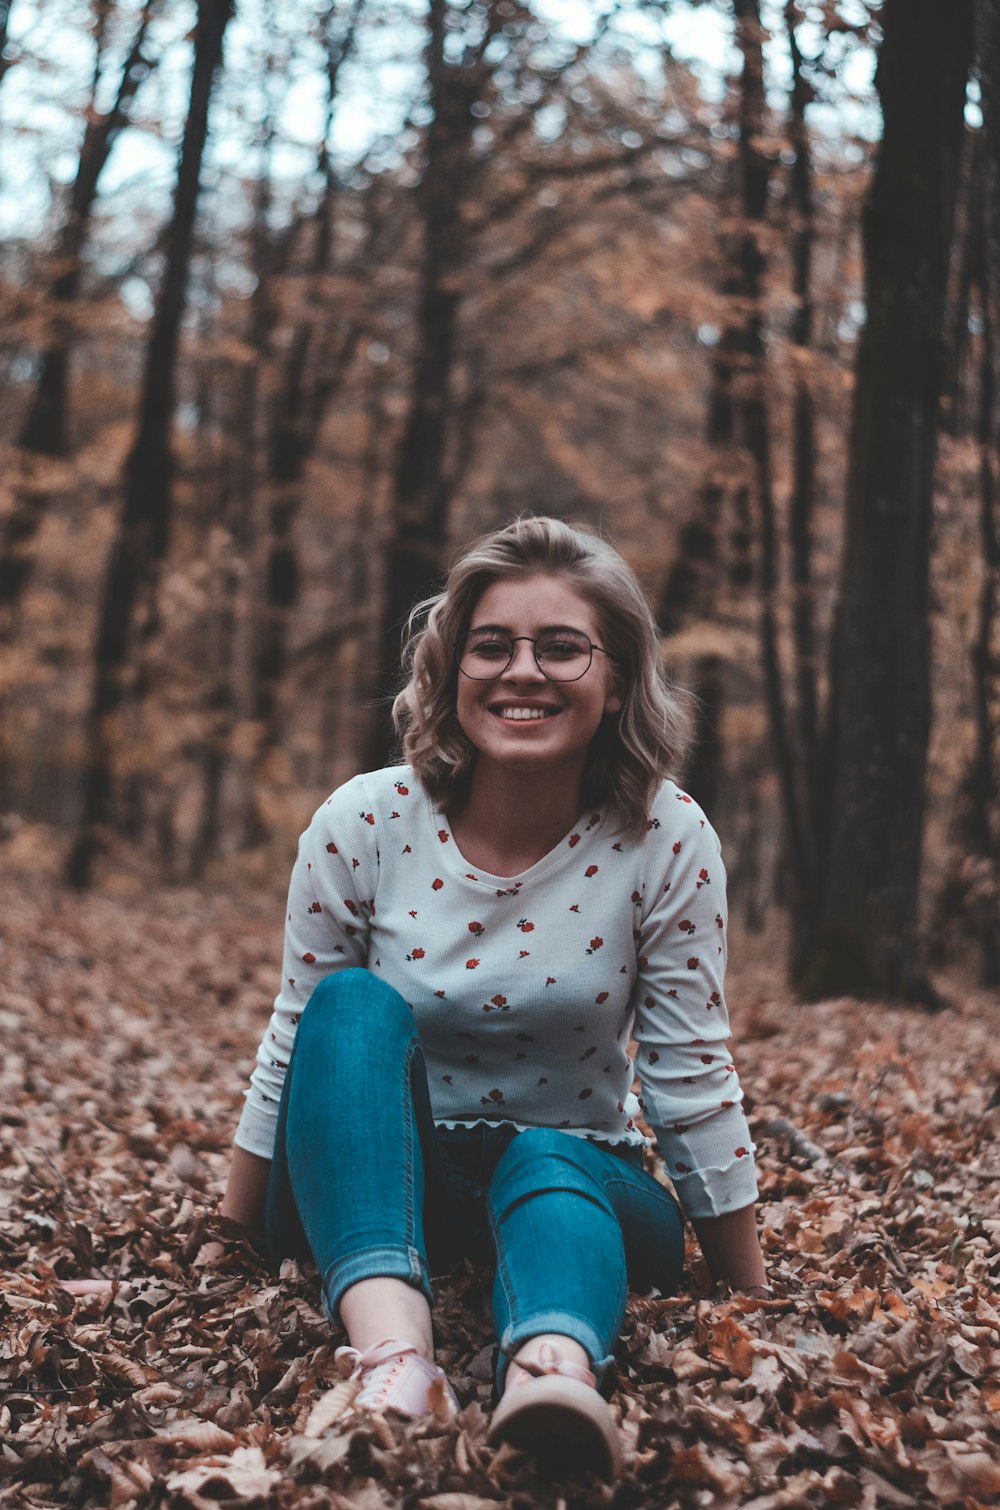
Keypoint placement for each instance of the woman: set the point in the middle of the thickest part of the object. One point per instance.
(470, 940)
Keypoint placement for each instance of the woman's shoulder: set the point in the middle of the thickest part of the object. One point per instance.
(676, 814)
(375, 794)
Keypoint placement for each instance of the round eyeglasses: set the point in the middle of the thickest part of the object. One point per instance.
(563, 655)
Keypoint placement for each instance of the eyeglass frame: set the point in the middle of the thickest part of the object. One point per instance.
(533, 642)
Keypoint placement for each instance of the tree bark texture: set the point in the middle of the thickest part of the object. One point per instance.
(141, 540)
(867, 941)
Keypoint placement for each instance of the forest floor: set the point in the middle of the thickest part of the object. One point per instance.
(872, 1378)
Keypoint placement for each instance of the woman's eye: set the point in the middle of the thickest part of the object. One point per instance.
(490, 649)
(561, 650)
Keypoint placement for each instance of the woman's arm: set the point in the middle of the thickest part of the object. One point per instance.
(731, 1248)
(246, 1190)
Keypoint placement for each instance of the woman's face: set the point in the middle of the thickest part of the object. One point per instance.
(522, 720)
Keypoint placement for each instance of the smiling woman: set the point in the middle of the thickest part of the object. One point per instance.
(472, 938)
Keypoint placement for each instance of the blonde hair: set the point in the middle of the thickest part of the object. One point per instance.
(632, 751)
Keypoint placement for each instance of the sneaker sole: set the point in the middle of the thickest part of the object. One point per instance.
(562, 1422)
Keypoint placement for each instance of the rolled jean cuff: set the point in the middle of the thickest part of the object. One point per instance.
(390, 1262)
(563, 1324)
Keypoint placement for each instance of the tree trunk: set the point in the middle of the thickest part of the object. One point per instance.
(806, 795)
(45, 428)
(422, 487)
(141, 541)
(867, 940)
(986, 651)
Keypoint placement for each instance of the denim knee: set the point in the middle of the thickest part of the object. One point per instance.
(543, 1158)
(353, 997)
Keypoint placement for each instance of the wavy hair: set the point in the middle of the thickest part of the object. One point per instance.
(632, 751)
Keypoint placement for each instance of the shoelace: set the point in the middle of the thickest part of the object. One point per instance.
(374, 1371)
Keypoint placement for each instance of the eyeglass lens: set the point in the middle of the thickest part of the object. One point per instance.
(563, 655)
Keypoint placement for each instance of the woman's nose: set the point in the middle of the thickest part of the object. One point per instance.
(523, 661)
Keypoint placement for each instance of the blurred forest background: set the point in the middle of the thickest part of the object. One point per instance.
(297, 299)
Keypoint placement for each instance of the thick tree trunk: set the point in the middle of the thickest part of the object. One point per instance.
(141, 541)
(867, 941)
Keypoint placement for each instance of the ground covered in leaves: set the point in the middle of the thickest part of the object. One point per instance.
(871, 1379)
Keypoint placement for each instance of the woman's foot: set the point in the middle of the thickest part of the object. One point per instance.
(392, 1375)
(551, 1408)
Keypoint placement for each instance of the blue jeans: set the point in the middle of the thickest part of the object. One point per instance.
(363, 1180)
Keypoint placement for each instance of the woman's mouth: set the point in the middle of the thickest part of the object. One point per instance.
(523, 713)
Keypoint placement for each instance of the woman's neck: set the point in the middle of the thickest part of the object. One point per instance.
(510, 819)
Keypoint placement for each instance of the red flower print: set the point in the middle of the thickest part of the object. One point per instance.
(443, 835)
(591, 870)
(446, 1079)
(315, 907)
(677, 847)
(683, 1169)
(440, 994)
(404, 791)
(498, 1000)
(573, 840)
(291, 980)
(355, 863)
(471, 964)
(600, 998)
(713, 1001)
(332, 849)
(686, 926)
(727, 1103)
(494, 1095)
(618, 849)
(407, 850)
(368, 817)
(672, 994)
(707, 1058)
(683, 797)
(575, 907)
(680, 1127)
(413, 912)
(523, 953)
(350, 930)
(476, 928)
(595, 944)
(693, 963)
(352, 907)
(310, 959)
(621, 1106)
(436, 884)
(525, 926)
(417, 954)
(649, 1002)
(550, 980)
(741, 1152)
(654, 1057)
(636, 898)
(584, 1094)
(718, 920)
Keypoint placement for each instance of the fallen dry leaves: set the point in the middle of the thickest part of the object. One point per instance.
(131, 1377)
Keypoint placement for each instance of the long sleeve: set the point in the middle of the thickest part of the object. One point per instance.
(330, 904)
(691, 1090)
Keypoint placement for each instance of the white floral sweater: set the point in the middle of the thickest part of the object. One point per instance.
(525, 989)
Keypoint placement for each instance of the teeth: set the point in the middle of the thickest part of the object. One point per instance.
(524, 712)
